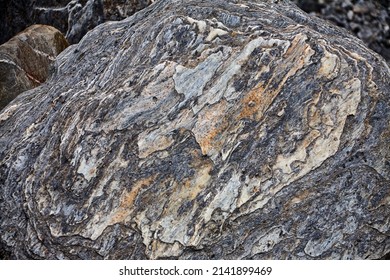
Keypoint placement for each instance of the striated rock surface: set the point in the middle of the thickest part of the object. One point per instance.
(26, 58)
(73, 17)
(200, 130)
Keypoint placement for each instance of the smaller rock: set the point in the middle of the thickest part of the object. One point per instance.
(361, 9)
(26, 58)
(350, 15)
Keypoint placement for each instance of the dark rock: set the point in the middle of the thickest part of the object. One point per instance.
(198, 130)
(72, 17)
(26, 58)
(368, 20)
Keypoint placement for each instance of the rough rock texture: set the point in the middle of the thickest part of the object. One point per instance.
(73, 17)
(369, 20)
(200, 130)
(83, 17)
(25, 60)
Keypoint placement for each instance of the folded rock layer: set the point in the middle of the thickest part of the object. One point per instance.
(202, 130)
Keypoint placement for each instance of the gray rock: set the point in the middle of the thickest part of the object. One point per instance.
(25, 60)
(200, 130)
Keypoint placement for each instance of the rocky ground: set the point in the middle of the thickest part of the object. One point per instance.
(369, 20)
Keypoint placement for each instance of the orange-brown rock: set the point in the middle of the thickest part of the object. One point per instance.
(25, 60)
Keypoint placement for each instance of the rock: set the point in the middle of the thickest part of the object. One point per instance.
(26, 58)
(368, 20)
(202, 130)
(72, 17)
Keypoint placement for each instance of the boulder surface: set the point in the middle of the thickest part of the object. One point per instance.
(25, 60)
(202, 130)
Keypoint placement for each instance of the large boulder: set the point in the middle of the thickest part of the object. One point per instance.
(72, 17)
(25, 60)
(200, 130)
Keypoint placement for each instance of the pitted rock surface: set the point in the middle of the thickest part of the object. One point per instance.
(25, 60)
(199, 130)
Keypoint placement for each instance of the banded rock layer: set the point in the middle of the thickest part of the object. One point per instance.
(199, 130)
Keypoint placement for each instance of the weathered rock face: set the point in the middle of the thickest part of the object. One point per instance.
(202, 129)
(84, 17)
(73, 17)
(25, 60)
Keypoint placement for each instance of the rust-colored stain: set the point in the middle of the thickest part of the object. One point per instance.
(256, 102)
(92, 171)
(298, 198)
(128, 198)
(210, 125)
(295, 43)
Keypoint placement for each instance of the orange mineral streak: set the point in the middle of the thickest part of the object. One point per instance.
(259, 99)
(301, 196)
(127, 200)
(255, 103)
(210, 126)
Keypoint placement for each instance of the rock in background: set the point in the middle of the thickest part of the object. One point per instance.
(368, 20)
(202, 130)
(73, 18)
(25, 60)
